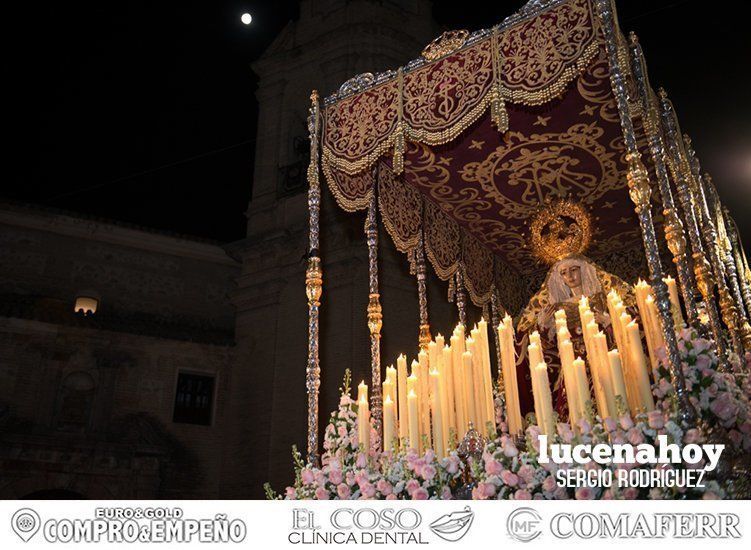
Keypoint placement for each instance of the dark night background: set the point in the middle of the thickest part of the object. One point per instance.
(144, 111)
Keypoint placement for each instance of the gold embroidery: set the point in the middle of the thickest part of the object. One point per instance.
(538, 59)
(401, 209)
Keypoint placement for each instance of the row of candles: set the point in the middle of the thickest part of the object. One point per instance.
(450, 386)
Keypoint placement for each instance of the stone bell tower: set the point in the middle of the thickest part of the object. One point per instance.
(332, 41)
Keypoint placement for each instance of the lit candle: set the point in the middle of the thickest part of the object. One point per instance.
(414, 414)
(389, 422)
(423, 394)
(675, 302)
(401, 382)
(363, 424)
(603, 372)
(391, 377)
(362, 391)
(640, 371)
(616, 376)
(487, 377)
(508, 366)
(642, 291)
(566, 353)
(460, 405)
(439, 442)
(388, 390)
(582, 384)
(413, 386)
(545, 399)
(469, 388)
(449, 382)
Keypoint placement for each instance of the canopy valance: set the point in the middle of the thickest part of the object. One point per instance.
(468, 147)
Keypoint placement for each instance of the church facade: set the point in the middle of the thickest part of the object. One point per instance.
(187, 380)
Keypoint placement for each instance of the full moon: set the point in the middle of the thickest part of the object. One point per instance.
(246, 18)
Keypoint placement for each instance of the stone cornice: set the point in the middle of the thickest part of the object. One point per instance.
(70, 225)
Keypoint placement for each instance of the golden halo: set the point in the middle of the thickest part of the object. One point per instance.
(560, 228)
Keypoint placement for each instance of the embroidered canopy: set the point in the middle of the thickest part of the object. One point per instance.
(469, 146)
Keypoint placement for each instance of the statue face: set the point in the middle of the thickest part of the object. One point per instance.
(571, 275)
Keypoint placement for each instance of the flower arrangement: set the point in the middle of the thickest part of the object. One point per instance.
(510, 470)
(720, 396)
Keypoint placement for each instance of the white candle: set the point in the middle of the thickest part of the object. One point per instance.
(414, 427)
(616, 375)
(401, 383)
(389, 423)
(363, 424)
(439, 442)
(640, 371)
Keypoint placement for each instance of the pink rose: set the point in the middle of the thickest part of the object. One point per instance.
(522, 494)
(509, 478)
(487, 490)
(367, 489)
(703, 361)
(526, 473)
(452, 464)
(446, 493)
(609, 424)
(584, 426)
(635, 437)
(724, 407)
(626, 422)
(411, 486)
(510, 450)
(420, 494)
(384, 487)
(290, 493)
(655, 420)
(322, 494)
(343, 491)
(362, 460)
(307, 476)
(549, 485)
(428, 472)
(342, 431)
(493, 467)
(584, 493)
(631, 493)
(392, 496)
(335, 476)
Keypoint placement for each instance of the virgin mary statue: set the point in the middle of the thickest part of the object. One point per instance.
(567, 281)
(571, 277)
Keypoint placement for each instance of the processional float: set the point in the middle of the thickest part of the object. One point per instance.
(539, 136)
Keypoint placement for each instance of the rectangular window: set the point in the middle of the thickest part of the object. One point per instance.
(194, 399)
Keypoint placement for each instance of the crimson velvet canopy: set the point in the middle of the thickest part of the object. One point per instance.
(469, 146)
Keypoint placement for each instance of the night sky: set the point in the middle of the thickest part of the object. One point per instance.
(144, 111)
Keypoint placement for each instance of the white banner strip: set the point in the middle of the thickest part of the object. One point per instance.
(440, 524)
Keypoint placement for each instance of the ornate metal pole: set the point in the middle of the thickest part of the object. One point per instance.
(728, 306)
(680, 170)
(461, 297)
(726, 251)
(744, 275)
(495, 318)
(313, 280)
(422, 292)
(674, 232)
(375, 317)
(639, 191)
